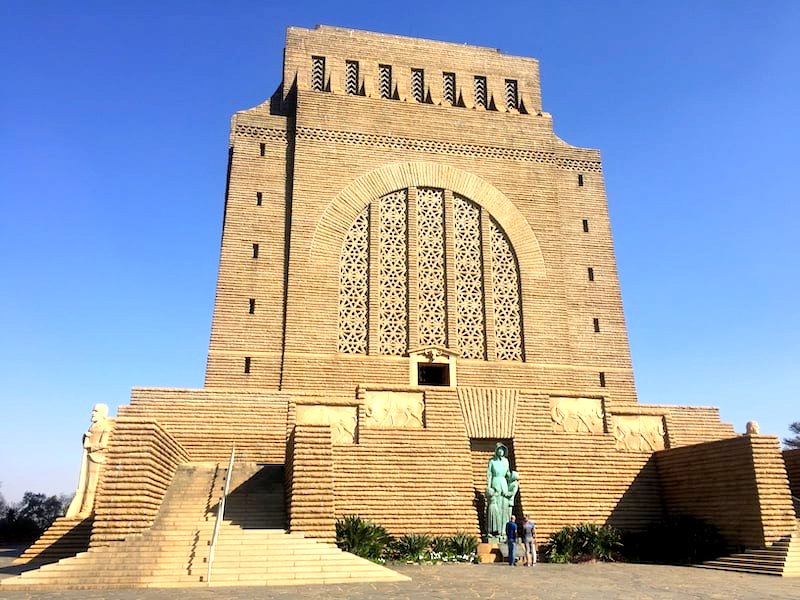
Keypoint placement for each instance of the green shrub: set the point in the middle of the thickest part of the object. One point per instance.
(677, 541)
(463, 544)
(362, 538)
(411, 546)
(583, 542)
(441, 544)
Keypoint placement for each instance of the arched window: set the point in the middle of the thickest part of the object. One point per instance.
(423, 267)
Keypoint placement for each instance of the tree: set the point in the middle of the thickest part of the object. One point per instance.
(793, 442)
(27, 520)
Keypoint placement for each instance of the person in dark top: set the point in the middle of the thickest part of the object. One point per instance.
(511, 538)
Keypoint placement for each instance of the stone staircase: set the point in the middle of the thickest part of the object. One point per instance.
(64, 538)
(253, 547)
(782, 559)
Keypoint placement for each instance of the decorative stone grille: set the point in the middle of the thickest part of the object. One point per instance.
(480, 91)
(505, 284)
(470, 321)
(449, 87)
(418, 85)
(390, 282)
(354, 288)
(431, 270)
(351, 78)
(512, 95)
(318, 73)
(385, 80)
(393, 274)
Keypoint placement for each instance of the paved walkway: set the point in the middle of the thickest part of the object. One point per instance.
(460, 581)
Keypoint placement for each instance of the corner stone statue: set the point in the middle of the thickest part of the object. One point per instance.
(497, 491)
(95, 444)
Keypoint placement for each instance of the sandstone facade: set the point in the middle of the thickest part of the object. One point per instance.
(414, 267)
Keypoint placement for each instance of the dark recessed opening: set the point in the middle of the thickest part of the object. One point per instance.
(596, 323)
(252, 306)
(255, 250)
(433, 374)
(246, 364)
(259, 198)
(586, 225)
(262, 149)
(591, 274)
(602, 379)
(580, 179)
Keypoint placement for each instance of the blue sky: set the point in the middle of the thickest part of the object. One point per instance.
(114, 126)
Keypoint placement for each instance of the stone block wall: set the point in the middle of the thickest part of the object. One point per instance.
(738, 484)
(142, 459)
(309, 482)
(207, 422)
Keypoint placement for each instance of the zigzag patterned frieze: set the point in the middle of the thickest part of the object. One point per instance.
(261, 133)
(403, 143)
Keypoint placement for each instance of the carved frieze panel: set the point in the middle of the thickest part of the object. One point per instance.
(342, 420)
(394, 409)
(577, 415)
(639, 433)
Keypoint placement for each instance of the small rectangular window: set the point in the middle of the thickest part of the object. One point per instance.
(247, 363)
(318, 73)
(418, 85)
(259, 198)
(591, 274)
(512, 94)
(433, 374)
(351, 78)
(449, 88)
(252, 306)
(580, 179)
(602, 379)
(480, 91)
(385, 81)
(255, 250)
(262, 149)
(586, 225)
(596, 323)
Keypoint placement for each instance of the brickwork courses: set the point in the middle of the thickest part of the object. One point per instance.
(413, 267)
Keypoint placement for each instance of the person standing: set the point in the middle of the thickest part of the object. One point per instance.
(511, 539)
(528, 535)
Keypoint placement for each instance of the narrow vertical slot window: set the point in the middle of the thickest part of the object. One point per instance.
(351, 78)
(255, 250)
(418, 85)
(596, 324)
(591, 273)
(602, 379)
(586, 225)
(259, 198)
(580, 179)
(385, 80)
(252, 306)
(480, 91)
(318, 73)
(247, 363)
(262, 149)
(449, 88)
(512, 94)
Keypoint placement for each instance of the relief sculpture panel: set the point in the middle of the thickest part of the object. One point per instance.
(342, 419)
(639, 433)
(394, 409)
(577, 415)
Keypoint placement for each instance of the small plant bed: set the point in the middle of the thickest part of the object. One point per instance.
(586, 542)
(371, 541)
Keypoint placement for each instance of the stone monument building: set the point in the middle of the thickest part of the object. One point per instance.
(415, 267)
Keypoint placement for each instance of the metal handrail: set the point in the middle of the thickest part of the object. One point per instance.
(220, 515)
